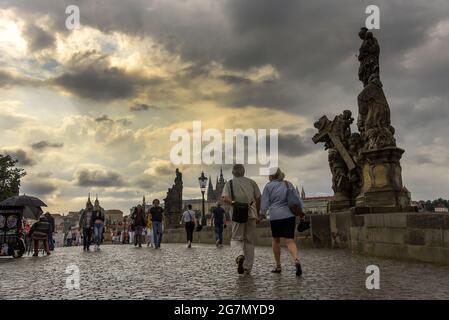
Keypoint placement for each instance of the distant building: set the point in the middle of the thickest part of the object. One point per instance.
(215, 195)
(113, 215)
(315, 205)
(59, 222)
(441, 208)
(71, 220)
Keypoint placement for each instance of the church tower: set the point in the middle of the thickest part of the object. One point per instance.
(220, 185)
(88, 203)
(210, 191)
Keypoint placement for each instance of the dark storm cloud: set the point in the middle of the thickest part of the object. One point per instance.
(98, 178)
(103, 118)
(89, 75)
(235, 79)
(38, 39)
(143, 107)
(39, 187)
(46, 174)
(294, 145)
(7, 79)
(144, 182)
(44, 144)
(307, 42)
(21, 155)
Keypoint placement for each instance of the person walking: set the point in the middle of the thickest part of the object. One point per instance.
(243, 195)
(218, 221)
(86, 224)
(131, 233)
(157, 218)
(40, 231)
(150, 237)
(98, 228)
(139, 222)
(51, 220)
(189, 221)
(282, 219)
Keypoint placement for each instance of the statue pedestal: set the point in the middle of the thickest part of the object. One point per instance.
(340, 202)
(173, 220)
(382, 182)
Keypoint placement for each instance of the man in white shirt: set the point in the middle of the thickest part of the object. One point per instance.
(238, 192)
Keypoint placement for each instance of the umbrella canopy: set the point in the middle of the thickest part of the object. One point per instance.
(23, 201)
(32, 212)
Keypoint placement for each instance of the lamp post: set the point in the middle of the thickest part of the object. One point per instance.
(202, 180)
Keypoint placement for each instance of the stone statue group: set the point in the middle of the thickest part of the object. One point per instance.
(368, 160)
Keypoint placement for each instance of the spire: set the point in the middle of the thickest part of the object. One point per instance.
(303, 193)
(88, 203)
(96, 200)
(210, 190)
(221, 175)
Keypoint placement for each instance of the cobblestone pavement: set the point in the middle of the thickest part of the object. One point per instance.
(205, 272)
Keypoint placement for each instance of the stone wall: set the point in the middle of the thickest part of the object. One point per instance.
(206, 235)
(408, 236)
(411, 236)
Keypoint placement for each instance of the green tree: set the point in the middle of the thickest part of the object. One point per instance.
(9, 177)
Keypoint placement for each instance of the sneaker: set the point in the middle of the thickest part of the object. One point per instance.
(217, 243)
(240, 259)
(298, 268)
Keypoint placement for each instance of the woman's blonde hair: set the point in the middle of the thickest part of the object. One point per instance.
(278, 175)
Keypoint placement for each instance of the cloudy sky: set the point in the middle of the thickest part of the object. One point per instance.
(91, 110)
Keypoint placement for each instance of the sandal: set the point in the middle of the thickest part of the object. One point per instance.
(277, 269)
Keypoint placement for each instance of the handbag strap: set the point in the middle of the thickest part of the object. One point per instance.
(232, 193)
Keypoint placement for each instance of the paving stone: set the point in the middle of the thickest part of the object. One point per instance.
(205, 272)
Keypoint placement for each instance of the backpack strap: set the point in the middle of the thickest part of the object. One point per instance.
(232, 190)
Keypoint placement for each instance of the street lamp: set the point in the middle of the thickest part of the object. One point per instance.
(202, 180)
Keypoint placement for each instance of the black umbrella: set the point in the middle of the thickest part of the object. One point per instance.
(32, 212)
(23, 201)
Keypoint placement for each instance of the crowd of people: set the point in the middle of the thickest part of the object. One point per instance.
(248, 206)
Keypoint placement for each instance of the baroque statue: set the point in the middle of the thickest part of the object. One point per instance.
(365, 167)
